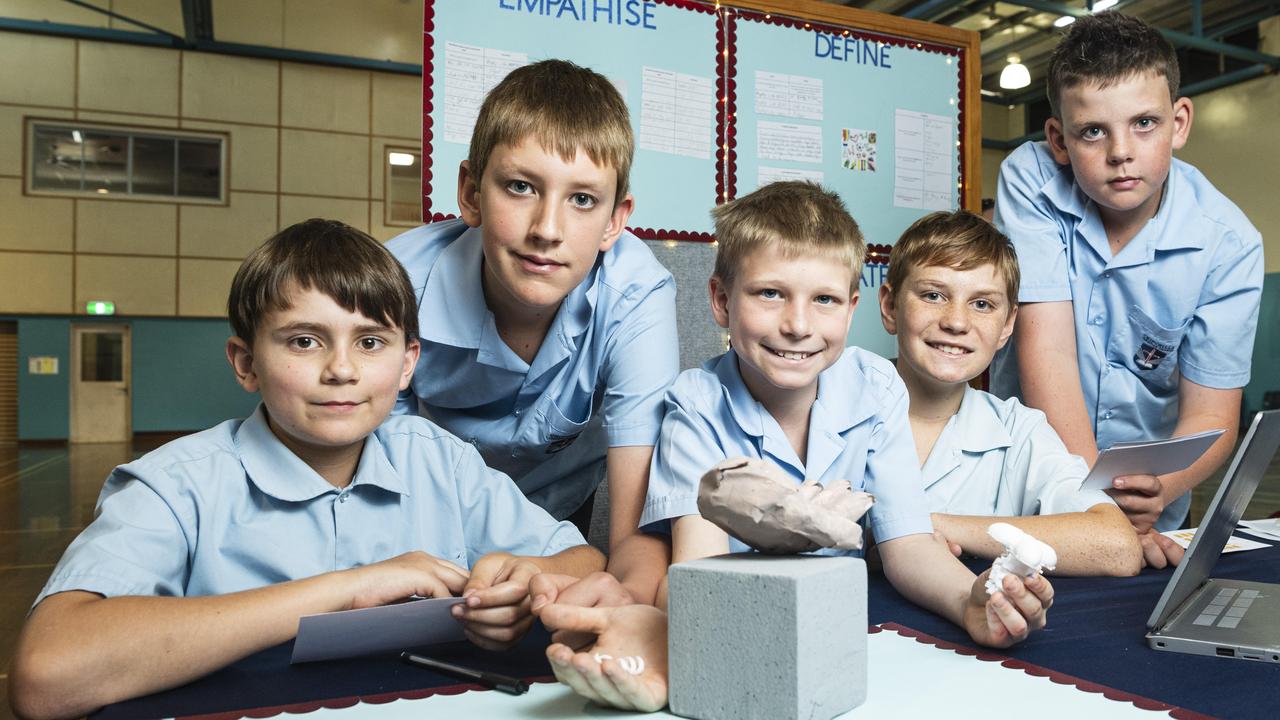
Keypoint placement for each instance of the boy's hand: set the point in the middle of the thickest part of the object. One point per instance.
(628, 631)
(403, 576)
(599, 589)
(1140, 497)
(1159, 551)
(1007, 618)
(495, 613)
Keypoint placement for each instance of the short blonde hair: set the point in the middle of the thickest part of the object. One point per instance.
(797, 218)
(565, 108)
(959, 240)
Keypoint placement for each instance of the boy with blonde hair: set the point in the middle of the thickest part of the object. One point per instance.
(788, 391)
(212, 547)
(549, 332)
(1141, 282)
(950, 297)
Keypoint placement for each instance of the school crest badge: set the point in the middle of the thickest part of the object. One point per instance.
(560, 442)
(1151, 353)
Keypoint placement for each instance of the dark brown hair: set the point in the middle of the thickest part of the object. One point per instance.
(353, 269)
(1105, 49)
(959, 240)
(564, 107)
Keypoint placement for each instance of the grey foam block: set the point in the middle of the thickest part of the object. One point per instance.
(755, 636)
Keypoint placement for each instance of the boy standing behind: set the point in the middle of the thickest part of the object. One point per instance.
(1141, 282)
(211, 547)
(549, 332)
(950, 297)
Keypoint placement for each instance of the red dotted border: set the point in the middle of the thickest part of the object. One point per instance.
(1110, 693)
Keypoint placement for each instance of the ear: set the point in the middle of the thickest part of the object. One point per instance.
(1006, 332)
(853, 304)
(240, 355)
(618, 222)
(1182, 114)
(889, 308)
(411, 351)
(1057, 140)
(719, 300)
(468, 195)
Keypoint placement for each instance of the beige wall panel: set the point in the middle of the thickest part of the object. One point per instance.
(203, 286)
(991, 160)
(137, 286)
(316, 163)
(35, 283)
(295, 208)
(380, 230)
(51, 59)
(128, 78)
(12, 138)
(58, 12)
(221, 87)
(123, 226)
(381, 29)
(1226, 144)
(231, 231)
(397, 105)
(253, 22)
(253, 154)
(324, 98)
(164, 14)
(33, 223)
(141, 121)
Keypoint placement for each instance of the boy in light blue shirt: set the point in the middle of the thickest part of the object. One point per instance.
(1141, 282)
(213, 546)
(788, 262)
(549, 333)
(950, 298)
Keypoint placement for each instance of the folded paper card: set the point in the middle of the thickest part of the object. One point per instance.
(1154, 457)
(390, 628)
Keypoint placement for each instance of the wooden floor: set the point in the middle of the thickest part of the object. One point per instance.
(47, 495)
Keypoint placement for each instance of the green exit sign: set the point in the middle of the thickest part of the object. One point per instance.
(100, 307)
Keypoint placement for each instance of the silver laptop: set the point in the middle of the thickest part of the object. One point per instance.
(1227, 618)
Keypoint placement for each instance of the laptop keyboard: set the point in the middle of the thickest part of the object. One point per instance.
(1225, 613)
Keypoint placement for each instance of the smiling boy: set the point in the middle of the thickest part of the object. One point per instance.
(549, 332)
(211, 547)
(1141, 282)
(950, 298)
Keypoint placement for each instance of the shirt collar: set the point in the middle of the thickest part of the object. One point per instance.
(977, 427)
(452, 301)
(276, 471)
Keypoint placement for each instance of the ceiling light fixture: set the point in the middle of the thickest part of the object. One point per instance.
(401, 159)
(1014, 75)
(75, 135)
(1064, 21)
(1101, 5)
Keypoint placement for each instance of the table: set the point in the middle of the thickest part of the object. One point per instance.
(1095, 634)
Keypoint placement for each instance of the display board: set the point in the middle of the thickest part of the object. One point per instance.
(726, 96)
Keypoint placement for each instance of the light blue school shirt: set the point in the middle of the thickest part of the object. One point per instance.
(596, 382)
(858, 431)
(1000, 457)
(231, 508)
(1180, 300)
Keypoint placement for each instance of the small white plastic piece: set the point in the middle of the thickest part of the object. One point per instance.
(633, 664)
(1023, 556)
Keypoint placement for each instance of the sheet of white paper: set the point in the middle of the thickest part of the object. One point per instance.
(1158, 457)
(469, 73)
(1268, 528)
(924, 153)
(768, 175)
(352, 633)
(795, 96)
(788, 141)
(1235, 544)
(677, 113)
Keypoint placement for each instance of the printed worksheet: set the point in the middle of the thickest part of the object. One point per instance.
(768, 175)
(469, 73)
(924, 155)
(1234, 544)
(788, 141)
(794, 96)
(677, 113)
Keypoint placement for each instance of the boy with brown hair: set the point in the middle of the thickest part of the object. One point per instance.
(212, 547)
(549, 332)
(950, 297)
(1141, 282)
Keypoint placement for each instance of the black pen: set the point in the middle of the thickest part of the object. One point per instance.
(496, 681)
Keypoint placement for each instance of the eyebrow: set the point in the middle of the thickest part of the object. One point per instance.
(319, 328)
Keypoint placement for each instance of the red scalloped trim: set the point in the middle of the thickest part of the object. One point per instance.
(694, 5)
(878, 254)
(1110, 693)
(727, 109)
(961, 56)
(346, 702)
(776, 19)
(428, 56)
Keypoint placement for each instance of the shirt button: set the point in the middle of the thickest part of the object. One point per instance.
(1097, 320)
(518, 411)
(1107, 275)
(1106, 415)
(342, 498)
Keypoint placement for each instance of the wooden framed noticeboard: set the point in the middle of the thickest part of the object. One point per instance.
(726, 96)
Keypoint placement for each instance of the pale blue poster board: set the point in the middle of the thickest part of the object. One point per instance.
(660, 55)
(875, 119)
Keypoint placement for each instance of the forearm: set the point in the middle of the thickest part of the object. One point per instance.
(79, 651)
(640, 563)
(1175, 484)
(1099, 541)
(578, 561)
(925, 573)
(1049, 374)
(628, 475)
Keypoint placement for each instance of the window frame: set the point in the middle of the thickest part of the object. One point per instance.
(387, 149)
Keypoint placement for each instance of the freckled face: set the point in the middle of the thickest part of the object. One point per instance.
(788, 319)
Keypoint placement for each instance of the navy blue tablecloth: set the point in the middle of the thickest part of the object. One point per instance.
(1095, 633)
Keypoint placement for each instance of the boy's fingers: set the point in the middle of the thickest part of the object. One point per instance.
(600, 683)
(545, 588)
(562, 666)
(1013, 624)
(1025, 603)
(504, 616)
(572, 617)
(1148, 485)
(599, 589)
(505, 593)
